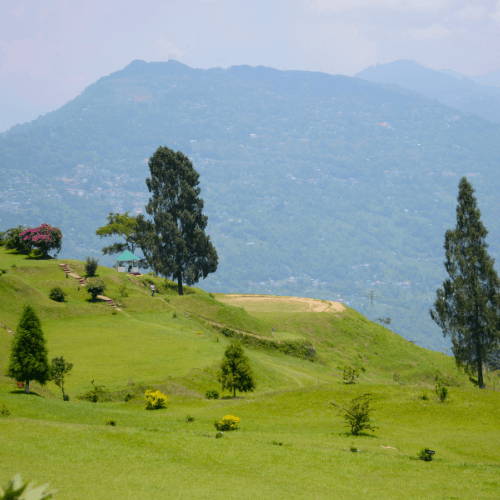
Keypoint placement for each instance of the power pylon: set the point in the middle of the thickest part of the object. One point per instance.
(373, 295)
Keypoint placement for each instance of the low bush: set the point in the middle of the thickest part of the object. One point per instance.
(123, 290)
(228, 423)
(212, 394)
(97, 394)
(127, 397)
(189, 418)
(155, 400)
(441, 391)
(111, 421)
(4, 412)
(91, 265)
(424, 455)
(95, 287)
(57, 294)
(219, 435)
(357, 414)
(349, 374)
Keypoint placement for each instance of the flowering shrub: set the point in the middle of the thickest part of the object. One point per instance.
(228, 423)
(44, 238)
(155, 400)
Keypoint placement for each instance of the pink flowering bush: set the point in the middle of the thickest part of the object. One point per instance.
(44, 238)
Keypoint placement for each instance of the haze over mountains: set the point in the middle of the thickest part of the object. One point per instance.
(315, 185)
(478, 95)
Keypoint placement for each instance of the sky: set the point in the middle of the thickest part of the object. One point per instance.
(51, 50)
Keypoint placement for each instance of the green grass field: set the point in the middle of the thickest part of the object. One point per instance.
(291, 442)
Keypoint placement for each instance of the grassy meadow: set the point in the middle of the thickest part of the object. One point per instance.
(291, 442)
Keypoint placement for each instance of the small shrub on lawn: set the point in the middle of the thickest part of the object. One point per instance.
(57, 294)
(127, 397)
(212, 394)
(424, 455)
(155, 400)
(91, 264)
(97, 394)
(424, 396)
(278, 443)
(349, 374)
(441, 391)
(95, 287)
(219, 435)
(357, 414)
(189, 418)
(5, 412)
(123, 290)
(228, 423)
(111, 421)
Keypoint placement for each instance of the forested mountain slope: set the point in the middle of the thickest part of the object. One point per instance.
(315, 185)
(466, 94)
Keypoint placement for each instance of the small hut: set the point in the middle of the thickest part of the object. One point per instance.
(127, 262)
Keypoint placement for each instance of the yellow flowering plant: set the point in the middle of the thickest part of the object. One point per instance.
(228, 423)
(155, 400)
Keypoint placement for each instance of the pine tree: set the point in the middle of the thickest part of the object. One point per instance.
(468, 304)
(179, 247)
(235, 372)
(28, 356)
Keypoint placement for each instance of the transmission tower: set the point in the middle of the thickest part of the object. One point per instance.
(373, 294)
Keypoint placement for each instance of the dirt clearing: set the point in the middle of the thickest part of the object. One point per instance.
(272, 303)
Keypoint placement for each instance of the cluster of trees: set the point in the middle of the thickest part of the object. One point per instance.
(29, 356)
(45, 238)
(173, 241)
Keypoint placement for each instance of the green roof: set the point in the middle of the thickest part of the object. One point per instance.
(127, 256)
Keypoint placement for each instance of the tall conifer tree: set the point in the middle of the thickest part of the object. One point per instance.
(28, 357)
(235, 372)
(179, 247)
(467, 307)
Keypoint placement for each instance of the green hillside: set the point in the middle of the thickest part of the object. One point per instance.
(290, 444)
(144, 341)
(315, 185)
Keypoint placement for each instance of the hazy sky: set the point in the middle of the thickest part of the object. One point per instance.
(50, 50)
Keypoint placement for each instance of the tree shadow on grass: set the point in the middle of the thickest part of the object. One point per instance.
(21, 391)
(360, 434)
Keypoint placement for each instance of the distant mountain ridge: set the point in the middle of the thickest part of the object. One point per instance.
(315, 185)
(449, 88)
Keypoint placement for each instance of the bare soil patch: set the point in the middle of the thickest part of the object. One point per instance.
(270, 303)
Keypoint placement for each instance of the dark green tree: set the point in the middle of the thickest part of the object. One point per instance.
(59, 367)
(28, 356)
(179, 247)
(468, 305)
(126, 227)
(235, 372)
